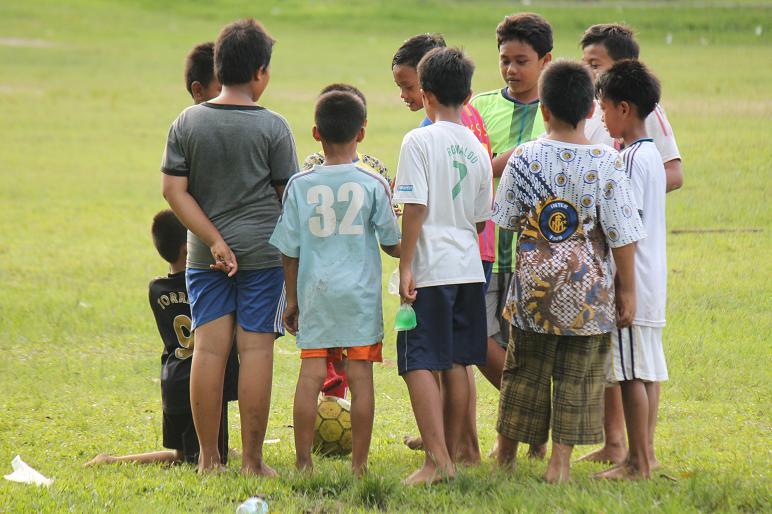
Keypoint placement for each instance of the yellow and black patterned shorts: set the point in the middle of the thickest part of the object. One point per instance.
(575, 368)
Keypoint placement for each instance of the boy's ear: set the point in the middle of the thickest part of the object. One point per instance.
(625, 108)
(545, 112)
(546, 59)
(361, 134)
(196, 90)
(261, 74)
(315, 133)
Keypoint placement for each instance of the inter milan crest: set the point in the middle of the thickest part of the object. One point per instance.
(558, 221)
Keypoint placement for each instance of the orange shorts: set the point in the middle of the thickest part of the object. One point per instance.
(372, 353)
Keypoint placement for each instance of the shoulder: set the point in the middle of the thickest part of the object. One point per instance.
(277, 122)
(370, 179)
(299, 180)
(482, 99)
(657, 122)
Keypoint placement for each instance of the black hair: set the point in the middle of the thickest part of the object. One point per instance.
(339, 116)
(346, 88)
(566, 89)
(529, 28)
(169, 235)
(447, 74)
(630, 81)
(412, 51)
(199, 66)
(242, 48)
(618, 40)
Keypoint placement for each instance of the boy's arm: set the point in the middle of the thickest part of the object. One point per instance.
(413, 218)
(674, 175)
(393, 250)
(624, 283)
(291, 312)
(175, 191)
(500, 163)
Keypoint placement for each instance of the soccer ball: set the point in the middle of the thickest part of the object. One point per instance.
(332, 430)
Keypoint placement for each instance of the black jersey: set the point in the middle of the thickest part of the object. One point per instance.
(169, 301)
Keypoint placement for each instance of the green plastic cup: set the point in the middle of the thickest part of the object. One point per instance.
(405, 319)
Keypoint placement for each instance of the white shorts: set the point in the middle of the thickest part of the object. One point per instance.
(636, 354)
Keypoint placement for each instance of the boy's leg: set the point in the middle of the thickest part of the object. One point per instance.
(614, 448)
(524, 403)
(207, 372)
(652, 392)
(456, 412)
(636, 408)
(470, 453)
(256, 359)
(360, 377)
(163, 456)
(494, 363)
(426, 401)
(313, 370)
(578, 378)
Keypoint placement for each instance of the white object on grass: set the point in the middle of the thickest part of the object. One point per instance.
(25, 474)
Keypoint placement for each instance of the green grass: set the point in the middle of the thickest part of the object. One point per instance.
(84, 120)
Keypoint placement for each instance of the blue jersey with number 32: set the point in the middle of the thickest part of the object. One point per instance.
(333, 219)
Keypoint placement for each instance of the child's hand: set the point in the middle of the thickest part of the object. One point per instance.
(224, 259)
(407, 290)
(625, 301)
(290, 318)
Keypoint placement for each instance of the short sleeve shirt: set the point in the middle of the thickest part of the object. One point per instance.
(568, 203)
(445, 167)
(233, 156)
(333, 220)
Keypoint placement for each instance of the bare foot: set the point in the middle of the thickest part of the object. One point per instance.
(359, 471)
(414, 442)
(304, 465)
(211, 470)
(607, 455)
(624, 471)
(102, 458)
(559, 465)
(537, 451)
(429, 475)
(556, 474)
(262, 469)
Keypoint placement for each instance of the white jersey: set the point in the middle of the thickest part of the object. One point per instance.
(445, 167)
(647, 177)
(657, 127)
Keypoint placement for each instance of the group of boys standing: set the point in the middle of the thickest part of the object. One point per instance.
(537, 304)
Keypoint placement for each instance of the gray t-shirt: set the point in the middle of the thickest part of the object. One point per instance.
(233, 155)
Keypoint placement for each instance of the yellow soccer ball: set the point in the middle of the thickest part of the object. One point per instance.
(332, 430)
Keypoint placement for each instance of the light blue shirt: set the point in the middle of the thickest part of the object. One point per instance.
(333, 220)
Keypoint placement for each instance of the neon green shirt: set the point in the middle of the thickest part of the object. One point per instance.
(510, 123)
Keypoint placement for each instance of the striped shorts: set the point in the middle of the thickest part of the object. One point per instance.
(637, 354)
(553, 381)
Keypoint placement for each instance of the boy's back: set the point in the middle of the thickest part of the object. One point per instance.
(334, 219)
(437, 164)
(647, 178)
(233, 157)
(561, 198)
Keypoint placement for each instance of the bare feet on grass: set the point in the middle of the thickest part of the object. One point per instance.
(304, 465)
(609, 454)
(100, 459)
(359, 471)
(414, 442)
(430, 474)
(260, 469)
(625, 471)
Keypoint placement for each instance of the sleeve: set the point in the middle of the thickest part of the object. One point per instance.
(286, 235)
(382, 216)
(312, 160)
(638, 177)
(506, 211)
(174, 161)
(658, 128)
(283, 157)
(619, 217)
(411, 184)
(484, 200)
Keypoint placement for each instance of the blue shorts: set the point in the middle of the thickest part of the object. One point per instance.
(255, 296)
(488, 272)
(451, 329)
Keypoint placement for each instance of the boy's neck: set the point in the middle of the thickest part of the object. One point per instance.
(177, 266)
(449, 114)
(561, 131)
(634, 132)
(525, 97)
(239, 94)
(343, 153)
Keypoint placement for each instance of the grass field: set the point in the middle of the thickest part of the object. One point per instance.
(88, 89)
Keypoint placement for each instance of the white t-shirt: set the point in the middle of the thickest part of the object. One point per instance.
(444, 167)
(657, 128)
(647, 178)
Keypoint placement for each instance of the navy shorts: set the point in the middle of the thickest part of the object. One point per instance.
(255, 296)
(451, 329)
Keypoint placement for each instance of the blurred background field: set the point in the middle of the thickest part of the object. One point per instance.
(88, 89)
